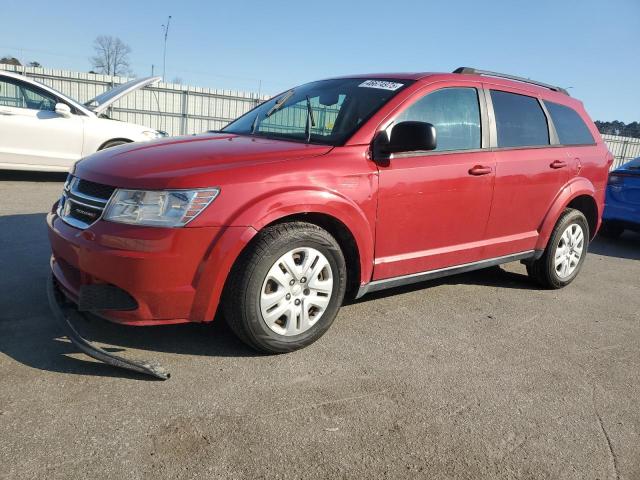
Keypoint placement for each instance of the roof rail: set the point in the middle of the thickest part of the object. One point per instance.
(475, 71)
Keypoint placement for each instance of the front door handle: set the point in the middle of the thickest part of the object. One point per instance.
(558, 164)
(480, 170)
(4, 111)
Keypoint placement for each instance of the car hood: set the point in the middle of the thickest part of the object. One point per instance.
(100, 103)
(187, 162)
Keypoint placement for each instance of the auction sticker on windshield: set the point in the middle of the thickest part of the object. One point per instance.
(381, 84)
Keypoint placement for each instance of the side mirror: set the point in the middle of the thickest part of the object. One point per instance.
(63, 110)
(405, 137)
(411, 137)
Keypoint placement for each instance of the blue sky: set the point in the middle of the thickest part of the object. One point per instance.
(589, 46)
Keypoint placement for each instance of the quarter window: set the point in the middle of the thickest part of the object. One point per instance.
(454, 112)
(520, 120)
(570, 127)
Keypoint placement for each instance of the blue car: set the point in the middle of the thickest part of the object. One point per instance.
(622, 205)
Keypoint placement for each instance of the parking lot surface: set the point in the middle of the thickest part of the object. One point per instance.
(480, 375)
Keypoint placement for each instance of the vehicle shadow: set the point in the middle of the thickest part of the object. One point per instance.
(26, 176)
(29, 333)
(489, 277)
(627, 246)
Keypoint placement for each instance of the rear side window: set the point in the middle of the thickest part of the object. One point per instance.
(454, 112)
(569, 125)
(520, 120)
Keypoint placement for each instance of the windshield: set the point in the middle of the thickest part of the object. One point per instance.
(337, 109)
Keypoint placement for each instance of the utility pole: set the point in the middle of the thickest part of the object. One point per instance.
(164, 53)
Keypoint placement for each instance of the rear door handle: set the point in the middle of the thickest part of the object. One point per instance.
(558, 164)
(4, 111)
(480, 170)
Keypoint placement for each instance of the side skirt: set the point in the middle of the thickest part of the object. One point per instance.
(383, 284)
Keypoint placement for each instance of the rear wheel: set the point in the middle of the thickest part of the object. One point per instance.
(286, 289)
(565, 252)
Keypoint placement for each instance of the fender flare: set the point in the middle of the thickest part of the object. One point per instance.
(272, 208)
(574, 189)
(260, 212)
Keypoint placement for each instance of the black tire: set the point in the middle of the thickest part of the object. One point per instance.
(543, 270)
(113, 143)
(241, 301)
(611, 230)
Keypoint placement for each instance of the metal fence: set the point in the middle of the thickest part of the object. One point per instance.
(182, 109)
(176, 109)
(622, 148)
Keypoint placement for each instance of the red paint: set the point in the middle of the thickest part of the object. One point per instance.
(414, 214)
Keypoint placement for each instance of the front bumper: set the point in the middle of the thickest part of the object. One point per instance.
(159, 268)
(63, 313)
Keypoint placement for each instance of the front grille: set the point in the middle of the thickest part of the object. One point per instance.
(93, 189)
(83, 202)
(83, 213)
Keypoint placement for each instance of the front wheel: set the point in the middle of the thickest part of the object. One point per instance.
(565, 252)
(286, 289)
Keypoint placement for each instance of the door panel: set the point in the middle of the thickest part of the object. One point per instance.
(432, 213)
(526, 185)
(31, 133)
(530, 171)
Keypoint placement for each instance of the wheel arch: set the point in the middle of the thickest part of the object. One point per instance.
(589, 208)
(343, 236)
(340, 217)
(117, 139)
(580, 195)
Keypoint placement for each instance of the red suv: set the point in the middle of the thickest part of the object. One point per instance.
(337, 187)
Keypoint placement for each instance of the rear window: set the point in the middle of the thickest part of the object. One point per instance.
(520, 120)
(569, 125)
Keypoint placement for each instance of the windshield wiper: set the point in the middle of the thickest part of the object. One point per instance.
(279, 103)
(310, 120)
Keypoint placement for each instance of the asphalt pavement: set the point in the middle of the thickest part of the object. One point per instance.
(481, 375)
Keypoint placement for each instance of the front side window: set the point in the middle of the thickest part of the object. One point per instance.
(20, 95)
(570, 127)
(10, 96)
(338, 108)
(519, 119)
(454, 112)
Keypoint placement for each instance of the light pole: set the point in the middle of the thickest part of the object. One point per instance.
(164, 53)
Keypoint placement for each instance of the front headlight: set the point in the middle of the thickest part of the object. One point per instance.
(164, 208)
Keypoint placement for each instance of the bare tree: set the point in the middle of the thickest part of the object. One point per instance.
(9, 60)
(112, 55)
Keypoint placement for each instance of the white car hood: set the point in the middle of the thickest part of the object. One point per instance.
(100, 103)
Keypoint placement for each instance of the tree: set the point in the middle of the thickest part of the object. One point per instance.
(112, 56)
(617, 127)
(9, 60)
(34, 64)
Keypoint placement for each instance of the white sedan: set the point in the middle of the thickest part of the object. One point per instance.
(42, 129)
